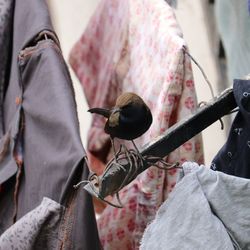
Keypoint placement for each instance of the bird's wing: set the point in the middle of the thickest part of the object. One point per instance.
(114, 119)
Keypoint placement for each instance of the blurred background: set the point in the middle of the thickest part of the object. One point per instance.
(197, 21)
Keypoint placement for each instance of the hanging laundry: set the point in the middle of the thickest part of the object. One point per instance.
(31, 231)
(206, 210)
(233, 157)
(172, 3)
(136, 46)
(41, 154)
(94, 59)
(6, 12)
(233, 21)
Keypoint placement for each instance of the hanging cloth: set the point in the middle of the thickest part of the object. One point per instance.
(41, 154)
(233, 157)
(136, 46)
(206, 210)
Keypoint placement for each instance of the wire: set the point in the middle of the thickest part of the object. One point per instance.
(206, 79)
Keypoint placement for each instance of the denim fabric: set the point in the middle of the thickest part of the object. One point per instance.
(233, 158)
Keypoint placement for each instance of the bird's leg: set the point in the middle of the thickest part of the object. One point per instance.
(130, 168)
(113, 146)
(135, 147)
(137, 150)
(119, 200)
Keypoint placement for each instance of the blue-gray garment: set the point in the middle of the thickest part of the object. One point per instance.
(207, 210)
(172, 3)
(6, 21)
(233, 21)
(41, 153)
(233, 158)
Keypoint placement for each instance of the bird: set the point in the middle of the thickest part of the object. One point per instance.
(128, 119)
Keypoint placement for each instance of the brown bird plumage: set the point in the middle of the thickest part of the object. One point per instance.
(128, 119)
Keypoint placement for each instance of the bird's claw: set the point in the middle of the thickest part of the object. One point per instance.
(131, 161)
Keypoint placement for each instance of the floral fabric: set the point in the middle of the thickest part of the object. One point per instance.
(137, 46)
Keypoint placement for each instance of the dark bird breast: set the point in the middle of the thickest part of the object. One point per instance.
(131, 122)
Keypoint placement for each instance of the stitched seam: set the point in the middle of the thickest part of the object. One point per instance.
(67, 224)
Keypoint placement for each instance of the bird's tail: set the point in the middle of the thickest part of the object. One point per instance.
(100, 111)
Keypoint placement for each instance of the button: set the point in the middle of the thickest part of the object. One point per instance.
(238, 131)
(18, 100)
(213, 166)
(246, 94)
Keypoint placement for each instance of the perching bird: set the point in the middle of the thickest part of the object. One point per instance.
(128, 119)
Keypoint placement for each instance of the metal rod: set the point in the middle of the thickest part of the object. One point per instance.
(174, 137)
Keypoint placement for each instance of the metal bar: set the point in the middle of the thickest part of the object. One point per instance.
(174, 137)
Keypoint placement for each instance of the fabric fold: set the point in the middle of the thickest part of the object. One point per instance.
(206, 210)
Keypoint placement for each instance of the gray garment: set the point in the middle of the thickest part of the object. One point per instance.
(41, 153)
(207, 210)
(6, 20)
(37, 229)
(172, 3)
(233, 21)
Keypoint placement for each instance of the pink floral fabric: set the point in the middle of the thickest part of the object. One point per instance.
(136, 45)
